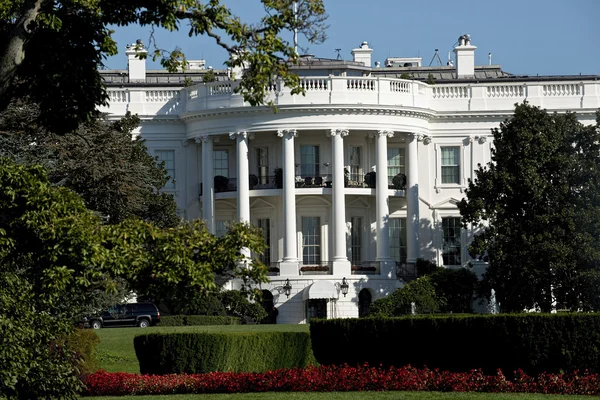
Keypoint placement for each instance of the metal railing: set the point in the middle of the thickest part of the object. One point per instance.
(365, 268)
(316, 268)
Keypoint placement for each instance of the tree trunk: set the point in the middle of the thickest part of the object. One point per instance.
(12, 53)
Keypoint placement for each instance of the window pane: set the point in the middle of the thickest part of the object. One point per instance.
(220, 228)
(168, 157)
(396, 162)
(311, 240)
(221, 163)
(356, 171)
(356, 240)
(451, 241)
(262, 162)
(309, 161)
(398, 239)
(265, 226)
(450, 165)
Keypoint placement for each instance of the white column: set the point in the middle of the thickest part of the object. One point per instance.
(381, 193)
(341, 265)
(412, 201)
(289, 264)
(208, 182)
(243, 182)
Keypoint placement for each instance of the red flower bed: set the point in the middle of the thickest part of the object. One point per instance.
(339, 379)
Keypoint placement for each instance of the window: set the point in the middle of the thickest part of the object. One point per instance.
(262, 162)
(168, 158)
(356, 172)
(398, 239)
(311, 240)
(451, 241)
(221, 159)
(356, 240)
(396, 162)
(309, 161)
(364, 303)
(220, 228)
(450, 165)
(265, 225)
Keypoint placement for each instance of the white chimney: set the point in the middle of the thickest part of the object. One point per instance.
(465, 57)
(363, 54)
(136, 66)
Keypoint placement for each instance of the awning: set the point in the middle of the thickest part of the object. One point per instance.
(320, 290)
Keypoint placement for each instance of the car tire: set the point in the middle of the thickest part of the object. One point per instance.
(96, 324)
(144, 323)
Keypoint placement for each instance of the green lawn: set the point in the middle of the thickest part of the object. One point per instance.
(352, 396)
(116, 353)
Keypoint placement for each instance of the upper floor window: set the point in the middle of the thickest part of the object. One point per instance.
(311, 240)
(221, 159)
(396, 162)
(451, 246)
(356, 240)
(309, 161)
(262, 164)
(356, 171)
(398, 239)
(450, 165)
(168, 158)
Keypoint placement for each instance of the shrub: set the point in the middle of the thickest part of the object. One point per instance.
(83, 343)
(399, 182)
(200, 352)
(532, 342)
(420, 291)
(371, 179)
(237, 303)
(425, 267)
(196, 320)
(340, 379)
(456, 287)
(203, 304)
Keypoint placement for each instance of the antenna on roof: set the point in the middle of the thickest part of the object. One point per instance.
(436, 55)
(339, 56)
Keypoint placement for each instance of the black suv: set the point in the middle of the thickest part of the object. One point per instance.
(133, 314)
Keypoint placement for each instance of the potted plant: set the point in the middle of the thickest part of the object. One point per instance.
(252, 180)
(399, 182)
(371, 179)
(278, 178)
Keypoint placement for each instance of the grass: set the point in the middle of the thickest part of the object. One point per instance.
(116, 353)
(353, 396)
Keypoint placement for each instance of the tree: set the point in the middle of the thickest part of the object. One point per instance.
(112, 172)
(539, 198)
(172, 265)
(63, 44)
(50, 263)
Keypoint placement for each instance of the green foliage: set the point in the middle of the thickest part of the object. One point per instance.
(200, 352)
(237, 303)
(456, 287)
(532, 342)
(203, 304)
(425, 267)
(209, 76)
(114, 174)
(49, 257)
(420, 291)
(83, 342)
(540, 197)
(198, 320)
(61, 70)
(171, 265)
(430, 79)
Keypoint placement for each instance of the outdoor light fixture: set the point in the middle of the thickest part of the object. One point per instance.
(287, 288)
(344, 286)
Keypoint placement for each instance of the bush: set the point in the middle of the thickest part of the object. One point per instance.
(200, 352)
(425, 267)
(196, 320)
(83, 343)
(420, 291)
(237, 303)
(399, 182)
(532, 342)
(371, 179)
(203, 304)
(456, 287)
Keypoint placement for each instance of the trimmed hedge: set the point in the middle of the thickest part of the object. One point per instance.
(534, 343)
(200, 352)
(194, 320)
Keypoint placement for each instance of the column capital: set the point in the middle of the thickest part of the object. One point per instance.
(242, 134)
(202, 139)
(382, 132)
(283, 133)
(426, 139)
(480, 139)
(342, 132)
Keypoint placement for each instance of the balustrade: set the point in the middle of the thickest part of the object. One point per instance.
(118, 96)
(360, 84)
(159, 96)
(569, 89)
(505, 91)
(450, 92)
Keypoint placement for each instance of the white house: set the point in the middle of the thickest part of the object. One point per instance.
(302, 173)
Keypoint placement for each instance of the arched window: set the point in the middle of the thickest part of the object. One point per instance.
(364, 303)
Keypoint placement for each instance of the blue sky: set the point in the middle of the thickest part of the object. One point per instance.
(526, 37)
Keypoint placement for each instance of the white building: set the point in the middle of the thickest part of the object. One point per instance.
(323, 219)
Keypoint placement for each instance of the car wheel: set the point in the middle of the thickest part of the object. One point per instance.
(96, 324)
(144, 323)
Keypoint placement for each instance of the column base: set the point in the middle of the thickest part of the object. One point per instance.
(341, 268)
(289, 268)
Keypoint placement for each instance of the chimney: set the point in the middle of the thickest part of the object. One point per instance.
(363, 54)
(136, 67)
(465, 57)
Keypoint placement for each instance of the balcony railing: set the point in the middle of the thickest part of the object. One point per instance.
(317, 268)
(365, 268)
